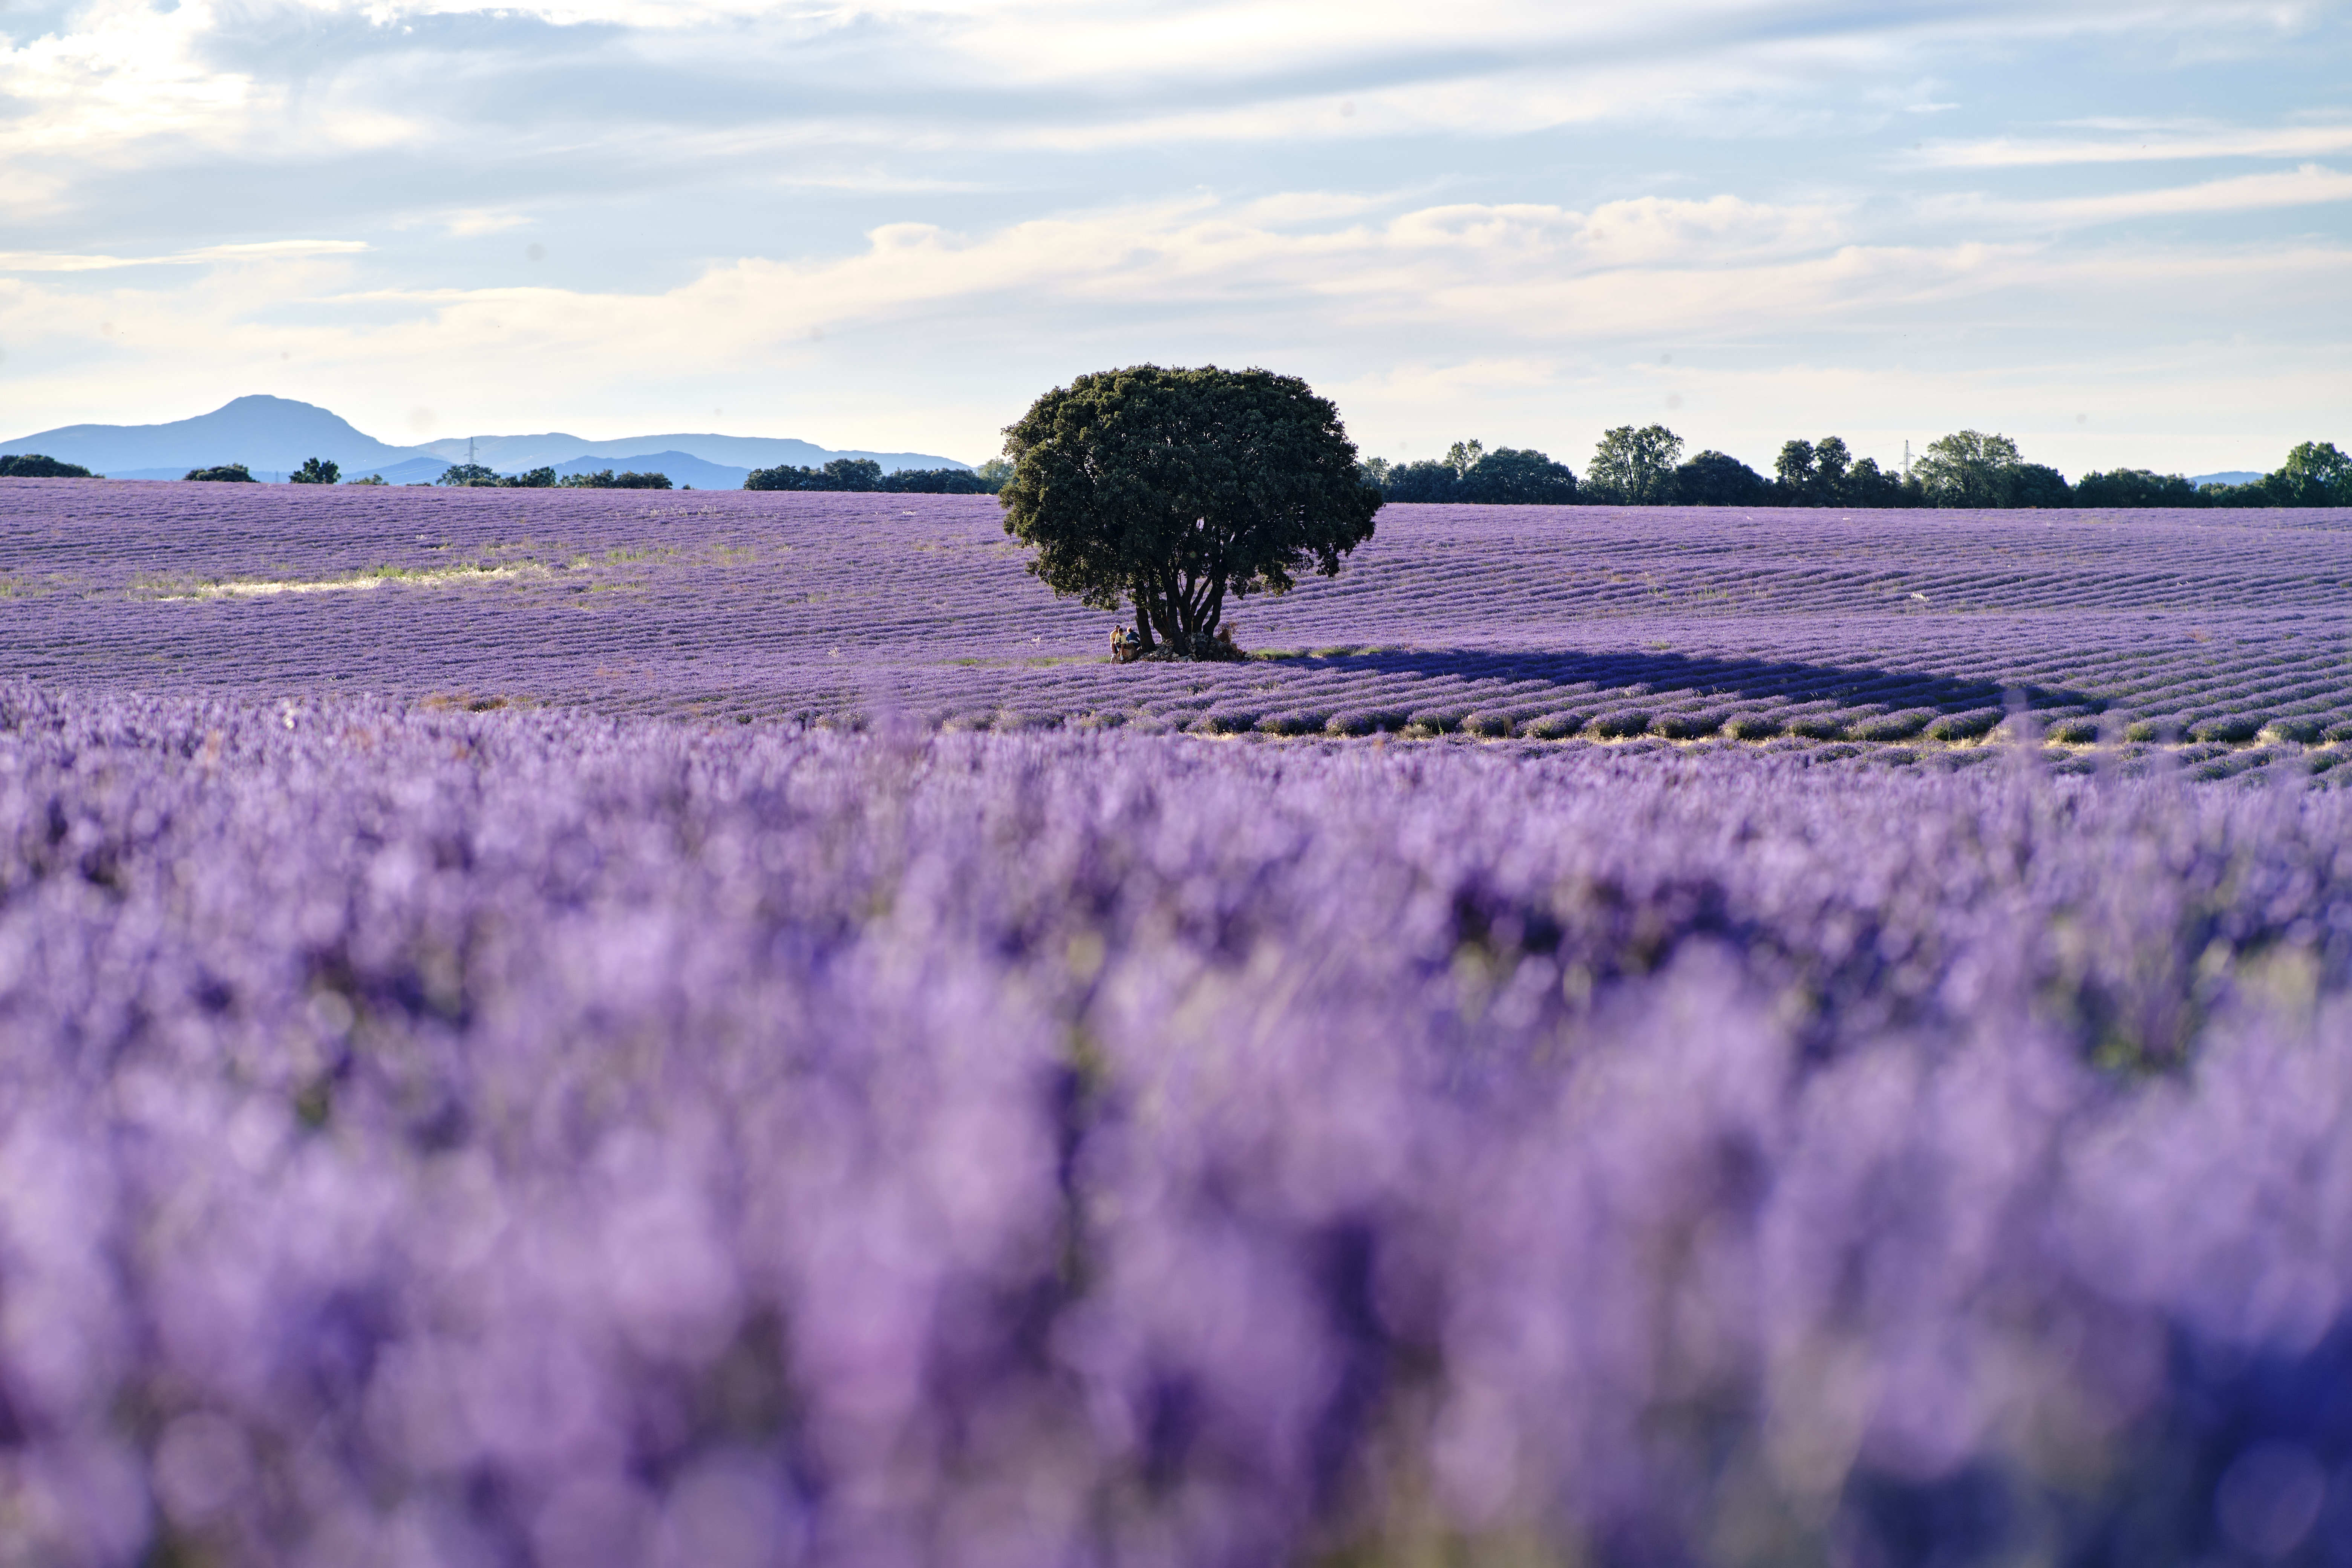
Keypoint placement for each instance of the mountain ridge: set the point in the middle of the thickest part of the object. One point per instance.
(274, 435)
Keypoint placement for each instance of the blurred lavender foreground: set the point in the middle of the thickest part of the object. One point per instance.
(435, 1137)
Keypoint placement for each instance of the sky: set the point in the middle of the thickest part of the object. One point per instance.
(2119, 232)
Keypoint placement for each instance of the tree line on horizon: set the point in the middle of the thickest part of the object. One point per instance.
(1630, 466)
(866, 474)
(1645, 466)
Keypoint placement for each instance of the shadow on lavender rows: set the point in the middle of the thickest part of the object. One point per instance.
(544, 1138)
(1689, 675)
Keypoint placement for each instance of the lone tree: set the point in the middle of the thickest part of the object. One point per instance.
(1173, 488)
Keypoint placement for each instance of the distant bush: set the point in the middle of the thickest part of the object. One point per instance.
(1824, 473)
(314, 471)
(33, 466)
(1425, 481)
(2137, 488)
(225, 473)
(606, 479)
(1718, 478)
(2038, 484)
(474, 476)
(1508, 476)
(1517, 475)
(937, 482)
(368, 479)
(840, 474)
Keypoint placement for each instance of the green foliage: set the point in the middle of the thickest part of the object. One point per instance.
(1426, 480)
(995, 473)
(1635, 468)
(1810, 474)
(937, 482)
(2137, 488)
(840, 474)
(33, 466)
(1867, 486)
(1174, 487)
(463, 473)
(1510, 476)
(606, 479)
(368, 479)
(2315, 474)
(314, 471)
(1717, 478)
(2038, 484)
(1968, 468)
(1463, 457)
(224, 473)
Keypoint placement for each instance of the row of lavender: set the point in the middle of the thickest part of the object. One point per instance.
(2222, 632)
(508, 1138)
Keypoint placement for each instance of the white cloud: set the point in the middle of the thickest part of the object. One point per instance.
(2150, 145)
(2310, 185)
(207, 254)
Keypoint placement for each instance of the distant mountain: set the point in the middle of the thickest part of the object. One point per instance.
(682, 468)
(265, 434)
(273, 436)
(513, 454)
(2233, 476)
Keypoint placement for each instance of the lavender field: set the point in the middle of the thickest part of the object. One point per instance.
(1890, 1105)
(1899, 633)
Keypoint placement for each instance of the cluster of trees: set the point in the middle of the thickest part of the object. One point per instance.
(476, 475)
(1509, 476)
(2315, 474)
(222, 473)
(1645, 466)
(34, 465)
(866, 474)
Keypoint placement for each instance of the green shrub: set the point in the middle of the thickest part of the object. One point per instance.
(1964, 726)
(1686, 726)
(2147, 730)
(1752, 727)
(1623, 722)
(2233, 729)
(2303, 732)
(1894, 726)
(2076, 731)
(34, 465)
(1818, 726)
(223, 474)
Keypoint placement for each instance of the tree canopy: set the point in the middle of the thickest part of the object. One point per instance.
(606, 479)
(1718, 478)
(1505, 477)
(1173, 489)
(224, 473)
(34, 465)
(315, 471)
(1635, 468)
(1968, 468)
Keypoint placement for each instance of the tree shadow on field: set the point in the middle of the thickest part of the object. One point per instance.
(1585, 678)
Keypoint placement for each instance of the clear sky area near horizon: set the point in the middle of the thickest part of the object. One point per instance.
(2117, 232)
